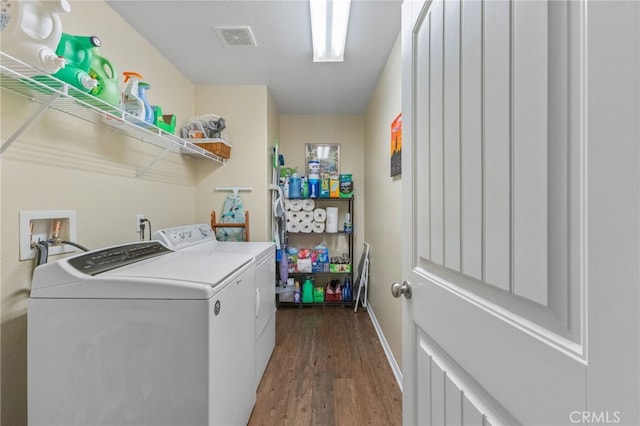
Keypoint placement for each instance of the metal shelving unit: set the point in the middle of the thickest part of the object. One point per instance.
(49, 92)
(326, 275)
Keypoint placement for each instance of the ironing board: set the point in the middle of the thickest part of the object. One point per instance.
(362, 279)
(234, 215)
(225, 227)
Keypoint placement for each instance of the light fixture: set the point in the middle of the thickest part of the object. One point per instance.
(329, 21)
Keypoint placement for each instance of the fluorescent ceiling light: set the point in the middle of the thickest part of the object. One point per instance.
(329, 21)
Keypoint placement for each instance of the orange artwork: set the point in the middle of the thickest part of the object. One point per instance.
(396, 146)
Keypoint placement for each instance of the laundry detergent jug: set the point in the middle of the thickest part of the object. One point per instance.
(106, 76)
(31, 32)
(78, 53)
(307, 291)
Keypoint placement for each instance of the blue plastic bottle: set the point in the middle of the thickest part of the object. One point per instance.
(142, 94)
(295, 186)
(346, 289)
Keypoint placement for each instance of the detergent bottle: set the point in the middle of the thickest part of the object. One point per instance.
(106, 76)
(131, 98)
(142, 93)
(31, 32)
(78, 53)
(307, 291)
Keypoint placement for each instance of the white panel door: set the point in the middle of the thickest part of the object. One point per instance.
(521, 181)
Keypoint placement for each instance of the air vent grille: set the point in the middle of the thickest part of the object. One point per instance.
(236, 36)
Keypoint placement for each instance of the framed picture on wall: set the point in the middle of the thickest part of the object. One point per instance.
(327, 155)
(396, 146)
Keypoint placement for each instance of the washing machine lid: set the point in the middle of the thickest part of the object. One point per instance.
(138, 271)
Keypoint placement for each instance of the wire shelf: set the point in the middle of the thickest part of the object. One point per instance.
(25, 80)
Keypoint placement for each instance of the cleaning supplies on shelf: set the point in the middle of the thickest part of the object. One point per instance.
(31, 32)
(314, 186)
(133, 104)
(104, 73)
(166, 122)
(307, 291)
(295, 186)
(78, 53)
(346, 185)
(346, 289)
(142, 94)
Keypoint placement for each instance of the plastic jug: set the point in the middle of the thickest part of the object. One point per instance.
(295, 186)
(31, 32)
(142, 93)
(78, 52)
(346, 289)
(107, 78)
(307, 291)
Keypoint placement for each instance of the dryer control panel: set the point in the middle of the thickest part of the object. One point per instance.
(98, 261)
(181, 237)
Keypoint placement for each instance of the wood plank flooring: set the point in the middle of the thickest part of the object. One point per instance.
(328, 368)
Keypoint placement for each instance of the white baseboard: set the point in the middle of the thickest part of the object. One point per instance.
(385, 346)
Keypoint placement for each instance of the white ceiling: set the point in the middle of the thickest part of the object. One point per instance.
(183, 31)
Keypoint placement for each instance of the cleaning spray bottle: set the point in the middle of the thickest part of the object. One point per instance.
(131, 98)
(31, 31)
(142, 93)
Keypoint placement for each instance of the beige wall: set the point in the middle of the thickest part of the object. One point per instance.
(247, 111)
(383, 203)
(64, 163)
(348, 131)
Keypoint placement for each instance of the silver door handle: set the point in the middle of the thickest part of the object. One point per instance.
(398, 289)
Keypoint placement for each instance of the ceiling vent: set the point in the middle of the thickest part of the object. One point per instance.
(236, 36)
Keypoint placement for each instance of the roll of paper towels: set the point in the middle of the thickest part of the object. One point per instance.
(293, 216)
(296, 205)
(293, 227)
(319, 215)
(308, 204)
(305, 227)
(306, 216)
(332, 219)
(318, 227)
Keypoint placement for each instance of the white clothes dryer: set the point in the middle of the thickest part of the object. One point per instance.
(263, 255)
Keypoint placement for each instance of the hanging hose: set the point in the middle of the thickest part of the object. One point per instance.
(71, 243)
(43, 252)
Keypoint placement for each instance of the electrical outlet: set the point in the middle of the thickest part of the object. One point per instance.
(139, 219)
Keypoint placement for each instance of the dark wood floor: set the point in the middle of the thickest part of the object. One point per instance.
(328, 368)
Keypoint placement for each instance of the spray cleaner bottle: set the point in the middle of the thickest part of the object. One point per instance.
(31, 32)
(142, 93)
(131, 98)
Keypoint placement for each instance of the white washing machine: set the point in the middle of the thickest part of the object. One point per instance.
(144, 334)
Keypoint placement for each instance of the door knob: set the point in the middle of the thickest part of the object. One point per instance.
(398, 289)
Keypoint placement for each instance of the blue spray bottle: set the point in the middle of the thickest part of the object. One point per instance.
(142, 93)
